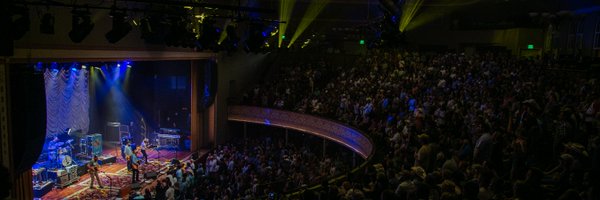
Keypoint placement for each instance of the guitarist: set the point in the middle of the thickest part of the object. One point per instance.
(143, 147)
(93, 171)
(135, 172)
(132, 158)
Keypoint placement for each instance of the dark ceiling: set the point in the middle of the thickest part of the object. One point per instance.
(355, 18)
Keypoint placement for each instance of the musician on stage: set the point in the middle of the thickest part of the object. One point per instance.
(93, 171)
(135, 172)
(143, 147)
(131, 157)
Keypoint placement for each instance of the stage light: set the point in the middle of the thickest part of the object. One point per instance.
(73, 69)
(313, 10)
(285, 12)
(83, 67)
(39, 67)
(153, 29)
(120, 26)
(229, 39)
(118, 65)
(82, 25)
(19, 22)
(47, 25)
(128, 66)
(179, 34)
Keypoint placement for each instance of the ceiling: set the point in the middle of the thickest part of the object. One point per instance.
(342, 18)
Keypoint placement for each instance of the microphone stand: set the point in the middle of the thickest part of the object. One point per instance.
(110, 183)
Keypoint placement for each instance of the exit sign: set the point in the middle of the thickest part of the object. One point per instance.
(530, 46)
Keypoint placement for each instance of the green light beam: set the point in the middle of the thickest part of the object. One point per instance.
(409, 10)
(285, 12)
(315, 7)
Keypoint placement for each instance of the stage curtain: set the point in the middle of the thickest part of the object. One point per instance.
(67, 100)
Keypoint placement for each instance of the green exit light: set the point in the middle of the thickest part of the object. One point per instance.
(530, 46)
(283, 37)
(362, 42)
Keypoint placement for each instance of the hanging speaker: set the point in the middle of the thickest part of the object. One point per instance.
(28, 115)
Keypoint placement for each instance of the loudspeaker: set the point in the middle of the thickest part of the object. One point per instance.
(150, 175)
(28, 115)
(136, 186)
(207, 85)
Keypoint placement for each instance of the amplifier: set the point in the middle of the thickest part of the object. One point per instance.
(71, 169)
(73, 175)
(63, 180)
(60, 172)
(95, 144)
(150, 175)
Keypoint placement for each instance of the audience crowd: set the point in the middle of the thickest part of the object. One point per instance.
(263, 167)
(453, 126)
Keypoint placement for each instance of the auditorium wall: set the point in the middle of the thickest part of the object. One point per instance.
(237, 72)
(514, 39)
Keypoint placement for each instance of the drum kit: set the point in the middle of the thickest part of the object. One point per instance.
(60, 154)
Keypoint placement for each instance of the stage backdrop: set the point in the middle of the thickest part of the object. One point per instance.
(67, 104)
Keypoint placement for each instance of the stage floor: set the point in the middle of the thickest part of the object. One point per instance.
(118, 175)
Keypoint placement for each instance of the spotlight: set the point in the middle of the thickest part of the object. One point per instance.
(20, 22)
(47, 25)
(82, 25)
(179, 33)
(231, 41)
(83, 67)
(128, 66)
(120, 26)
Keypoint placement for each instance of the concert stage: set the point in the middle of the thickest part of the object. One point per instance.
(115, 177)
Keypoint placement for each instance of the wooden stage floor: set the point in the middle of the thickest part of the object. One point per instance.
(117, 175)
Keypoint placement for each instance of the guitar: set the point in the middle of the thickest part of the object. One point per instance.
(92, 168)
(134, 165)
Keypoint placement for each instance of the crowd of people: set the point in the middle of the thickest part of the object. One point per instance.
(454, 126)
(254, 168)
(264, 167)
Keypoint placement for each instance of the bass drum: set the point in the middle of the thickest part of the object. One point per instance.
(65, 160)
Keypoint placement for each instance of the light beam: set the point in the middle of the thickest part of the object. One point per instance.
(285, 12)
(315, 7)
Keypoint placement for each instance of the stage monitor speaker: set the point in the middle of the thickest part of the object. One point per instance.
(136, 186)
(28, 115)
(150, 175)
